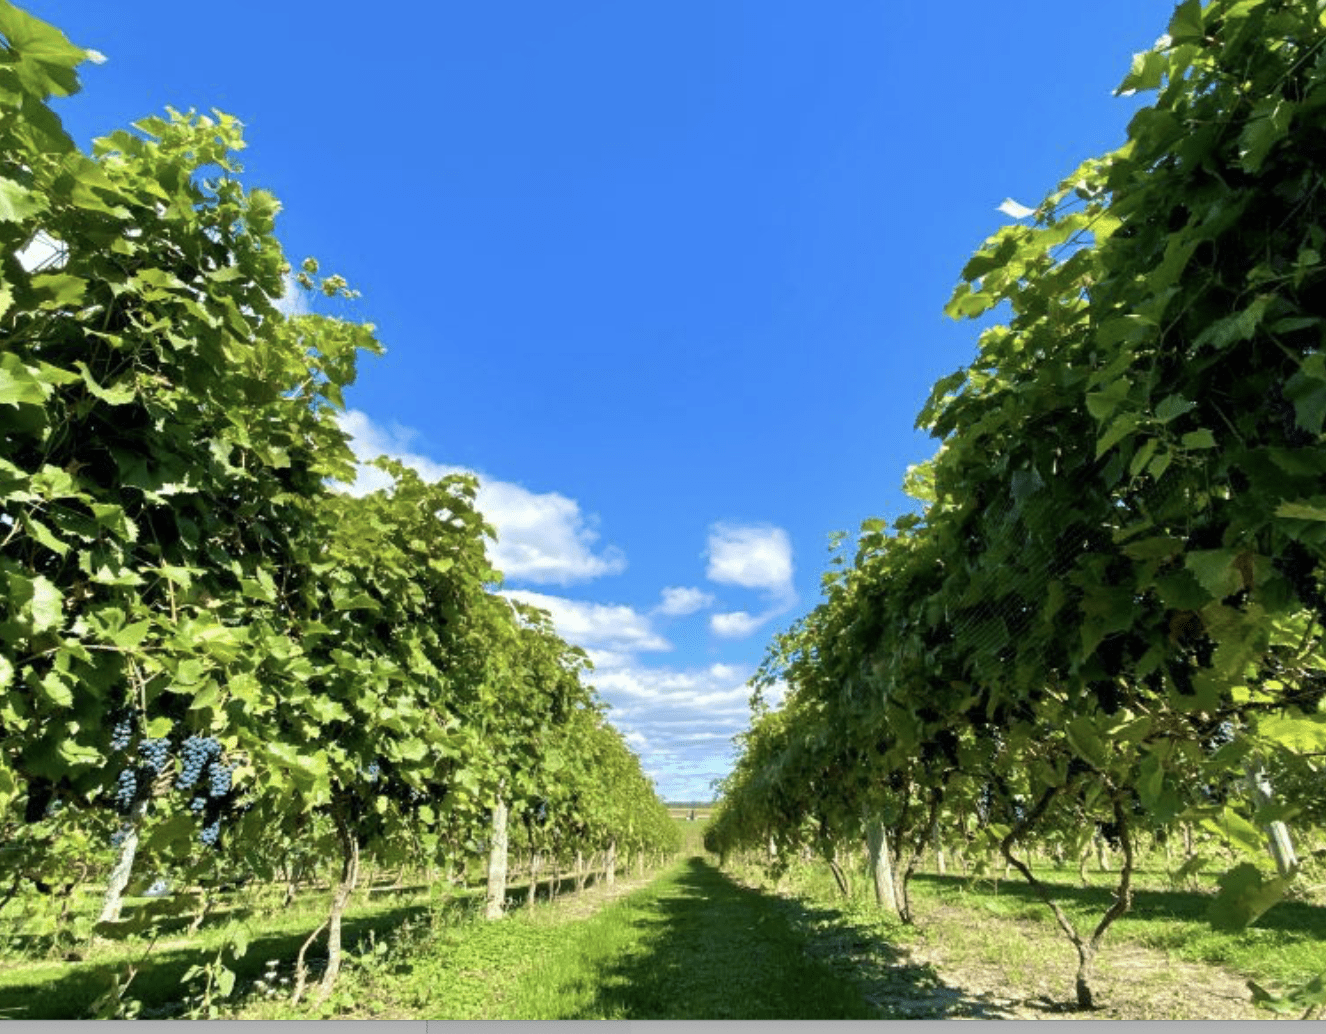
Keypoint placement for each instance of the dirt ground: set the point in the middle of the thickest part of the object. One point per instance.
(1130, 983)
(924, 980)
(570, 905)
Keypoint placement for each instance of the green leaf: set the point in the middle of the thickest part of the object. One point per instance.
(1302, 735)
(1118, 431)
(1199, 439)
(1302, 511)
(58, 290)
(1147, 73)
(131, 636)
(43, 534)
(18, 385)
(1185, 26)
(1237, 831)
(113, 396)
(239, 941)
(1154, 548)
(17, 202)
(1245, 893)
(360, 601)
(42, 57)
(55, 688)
(47, 604)
(1266, 126)
(1142, 456)
(1151, 781)
(1189, 868)
(1306, 389)
(1215, 571)
(1100, 404)
(1239, 327)
(1085, 739)
(1299, 999)
(1173, 406)
(76, 755)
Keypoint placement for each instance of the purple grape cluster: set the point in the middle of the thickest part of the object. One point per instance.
(209, 834)
(126, 789)
(117, 838)
(218, 779)
(195, 754)
(122, 734)
(155, 753)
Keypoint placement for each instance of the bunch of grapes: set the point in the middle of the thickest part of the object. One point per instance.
(126, 789)
(117, 838)
(155, 753)
(209, 834)
(195, 753)
(122, 734)
(218, 779)
(197, 804)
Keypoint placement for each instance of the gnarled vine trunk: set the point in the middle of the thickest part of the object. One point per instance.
(840, 876)
(332, 924)
(1087, 947)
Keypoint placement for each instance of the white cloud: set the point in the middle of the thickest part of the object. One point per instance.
(755, 557)
(618, 630)
(678, 601)
(1010, 207)
(736, 624)
(636, 740)
(681, 722)
(773, 695)
(604, 659)
(294, 302)
(542, 537)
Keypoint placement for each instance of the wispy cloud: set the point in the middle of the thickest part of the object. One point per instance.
(542, 537)
(682, 720)
(615, 631)
(294, 302)
(737, 624)
(752, 556)
(678, 601)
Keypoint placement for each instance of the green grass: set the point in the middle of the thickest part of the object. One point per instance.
(1286, 944)
(38, 982)
(692, 944)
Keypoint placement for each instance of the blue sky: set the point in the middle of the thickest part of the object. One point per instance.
(667, 276)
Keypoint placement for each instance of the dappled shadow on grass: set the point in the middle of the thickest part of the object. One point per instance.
(1296, 918)
(716, 950)
(157, 985)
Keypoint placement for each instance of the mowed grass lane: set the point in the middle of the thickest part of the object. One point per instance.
(690, 945)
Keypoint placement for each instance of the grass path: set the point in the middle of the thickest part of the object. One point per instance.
(691, 944)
